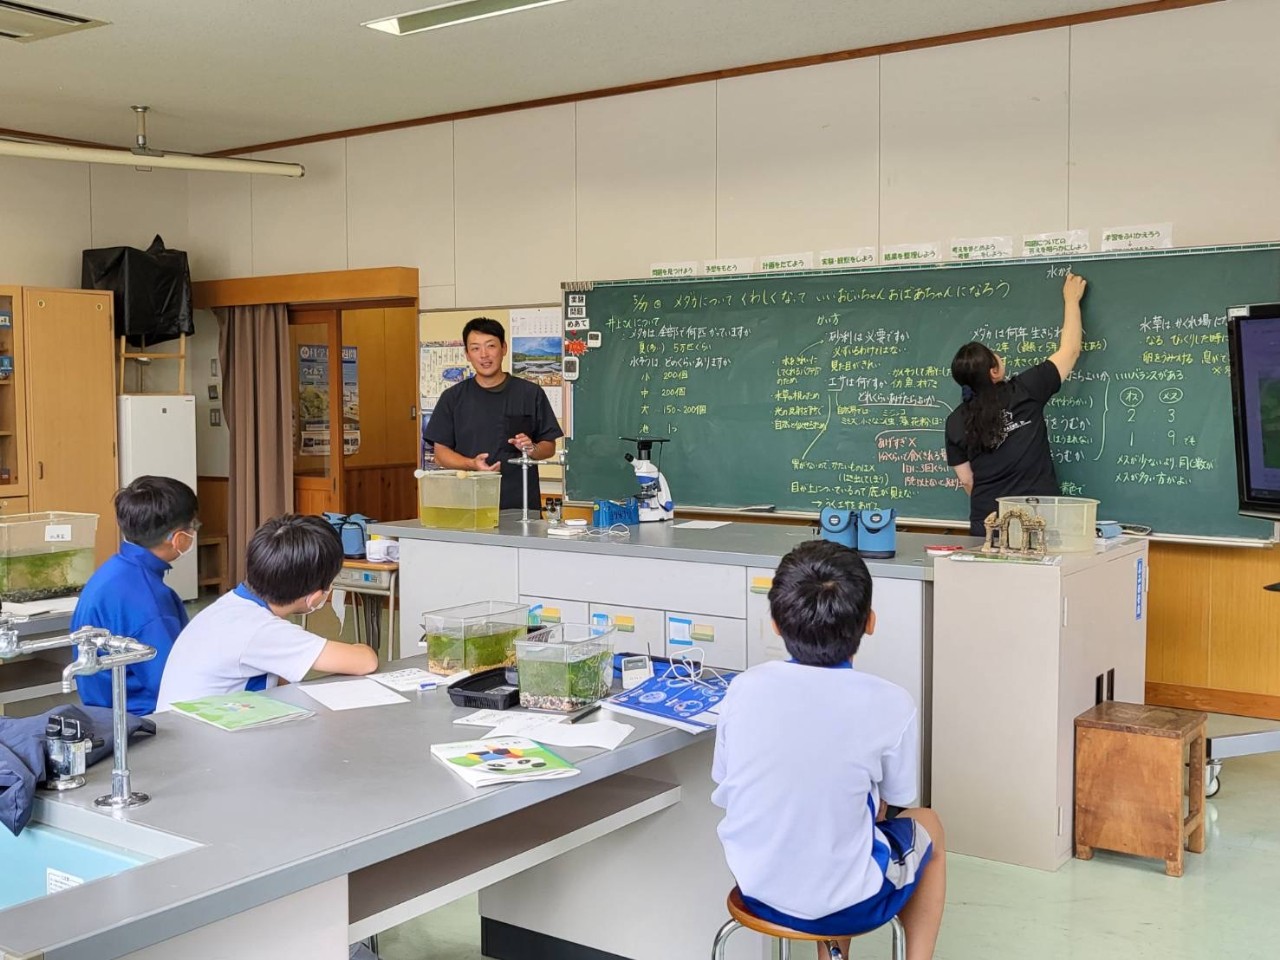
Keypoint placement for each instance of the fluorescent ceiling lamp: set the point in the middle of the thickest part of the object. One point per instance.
(451, 14)
(167, 161)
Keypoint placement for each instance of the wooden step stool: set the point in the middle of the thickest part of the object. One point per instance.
(1130, 761)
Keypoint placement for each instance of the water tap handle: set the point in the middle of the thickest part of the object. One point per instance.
(9, 633)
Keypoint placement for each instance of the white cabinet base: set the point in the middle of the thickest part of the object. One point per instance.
(1017, 656)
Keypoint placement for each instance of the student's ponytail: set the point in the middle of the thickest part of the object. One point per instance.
(984, 410)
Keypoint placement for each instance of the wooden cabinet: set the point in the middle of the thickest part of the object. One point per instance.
(378, 477)
(57, 407)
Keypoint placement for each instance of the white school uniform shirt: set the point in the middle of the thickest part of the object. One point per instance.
(802, 756)
(236, 644)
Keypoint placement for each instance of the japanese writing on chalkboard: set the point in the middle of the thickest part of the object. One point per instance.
(844, 380)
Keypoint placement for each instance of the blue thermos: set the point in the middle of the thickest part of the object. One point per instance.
(840, 526)
(354, 531)
(878, 533)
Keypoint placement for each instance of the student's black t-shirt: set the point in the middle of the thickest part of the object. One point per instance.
(1022, 466)
(470, 420)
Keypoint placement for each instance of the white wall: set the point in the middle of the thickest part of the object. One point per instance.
(213, 444)
(1170, 116)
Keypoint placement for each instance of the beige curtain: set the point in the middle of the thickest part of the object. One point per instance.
(257, 403)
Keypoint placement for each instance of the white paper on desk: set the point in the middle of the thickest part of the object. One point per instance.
(351, 694)
(409, 680)
(608, 734)
(702, 524)
(37, 607)
(492, 718)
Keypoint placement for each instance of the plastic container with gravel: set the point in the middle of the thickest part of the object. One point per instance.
(474, 636)
(45, 555)
(459, 499)
(565, 666)
(1070, 522)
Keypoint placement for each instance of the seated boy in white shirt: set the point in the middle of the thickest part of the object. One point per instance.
(243, 641)
(808, 754)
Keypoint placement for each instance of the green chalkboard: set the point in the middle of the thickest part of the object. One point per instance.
(831, 388)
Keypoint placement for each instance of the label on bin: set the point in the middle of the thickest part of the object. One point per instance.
(55, 880)
(57, 533)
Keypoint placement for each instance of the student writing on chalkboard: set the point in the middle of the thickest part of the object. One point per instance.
(997, 439)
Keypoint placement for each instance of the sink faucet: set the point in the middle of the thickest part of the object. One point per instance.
(121, 651)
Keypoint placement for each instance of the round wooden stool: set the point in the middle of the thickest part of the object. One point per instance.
(743, 917)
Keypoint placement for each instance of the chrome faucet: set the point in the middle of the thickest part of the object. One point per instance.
(121, 651)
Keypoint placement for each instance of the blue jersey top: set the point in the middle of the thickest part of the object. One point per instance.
(129, 597)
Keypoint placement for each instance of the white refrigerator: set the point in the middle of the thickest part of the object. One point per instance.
(158, 439)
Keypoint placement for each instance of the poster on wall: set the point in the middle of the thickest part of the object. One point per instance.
(312, 411)
(537, 351)
(441, 364)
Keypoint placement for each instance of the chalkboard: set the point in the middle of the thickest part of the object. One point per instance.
(831, 388)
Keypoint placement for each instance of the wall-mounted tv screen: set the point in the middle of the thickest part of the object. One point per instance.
(1254, 332)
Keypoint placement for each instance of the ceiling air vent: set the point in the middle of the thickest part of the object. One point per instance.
(26, 24)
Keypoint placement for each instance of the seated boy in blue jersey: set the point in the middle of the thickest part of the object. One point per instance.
(128, 595)
(809, 752)
(244, 641)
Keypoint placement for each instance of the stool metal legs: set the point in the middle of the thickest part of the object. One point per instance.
(722, 939)
(784, 946)
(899, 939)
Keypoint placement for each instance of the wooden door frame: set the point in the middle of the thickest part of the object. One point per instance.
(20, 467)
(328, 292)
(332, 319)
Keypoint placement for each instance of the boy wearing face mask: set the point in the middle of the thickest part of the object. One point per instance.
(128, 595)
(244, 641)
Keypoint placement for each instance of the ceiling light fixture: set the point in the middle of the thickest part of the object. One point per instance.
(27, 24)
(451, 14)
(142, 156)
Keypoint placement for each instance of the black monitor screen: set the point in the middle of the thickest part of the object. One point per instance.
(1255, 389)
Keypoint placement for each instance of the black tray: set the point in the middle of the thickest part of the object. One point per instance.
(487, 690)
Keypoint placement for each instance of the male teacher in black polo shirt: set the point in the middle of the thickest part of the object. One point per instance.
(484, 421)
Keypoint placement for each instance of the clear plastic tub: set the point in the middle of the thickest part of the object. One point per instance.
(1070, 522)
(45, 555)
(459, 499)
(565, 666)
(474, 636)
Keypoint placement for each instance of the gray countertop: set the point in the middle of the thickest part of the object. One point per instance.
(45, 624)
(736, 544)
(280, 809)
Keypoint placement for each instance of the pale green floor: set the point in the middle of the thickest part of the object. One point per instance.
(1112, 907)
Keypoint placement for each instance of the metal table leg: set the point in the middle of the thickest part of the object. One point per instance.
(1224, 747)
(371, 614)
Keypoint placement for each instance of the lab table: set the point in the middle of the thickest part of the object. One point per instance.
(298, 839)
(667, 588)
